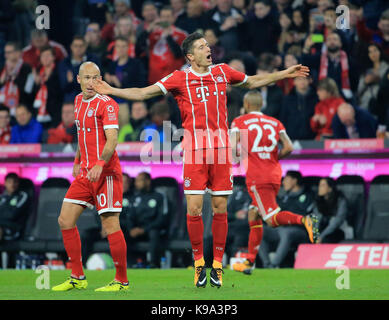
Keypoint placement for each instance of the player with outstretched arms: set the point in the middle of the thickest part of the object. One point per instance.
(98, 181)
(256, 136)
(200, 92)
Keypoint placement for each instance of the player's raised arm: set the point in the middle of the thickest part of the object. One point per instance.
(145, 93)
(257, 81)
(287, 145)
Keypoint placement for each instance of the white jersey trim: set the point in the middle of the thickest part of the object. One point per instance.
(162, 87)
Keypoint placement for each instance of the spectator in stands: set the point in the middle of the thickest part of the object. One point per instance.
(325, 110)
(14, 205)
(369, 81)
(380, 36)
(271, 95)
(162, 46)
(123, 29)
(138, 121)
(39, 40)
(353, 123)
(146, 219)
(235, 94)
(332, 62)
(125, 72)
(263, 30)
(297, 110)
(296, 198)
(47, 90)
(16, 81)
(96, 45)
(285, 37)
(331, 209)
(217, 52)
(238, 227)
(382, 107)
(225, 19)
(27, 129)
(288, 84)
(5, 128)
(159, 113)
(150, 17)
(66, 132)
(122, 9)
(178, 7)
(193, 19)
(68, 67)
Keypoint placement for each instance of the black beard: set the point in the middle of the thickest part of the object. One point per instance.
(333, 49)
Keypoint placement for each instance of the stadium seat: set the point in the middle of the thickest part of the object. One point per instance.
(377, 220)
(353, 188)
(170, 188)
(88, 219)
(312, 182)
(28, 186)
(52, 193)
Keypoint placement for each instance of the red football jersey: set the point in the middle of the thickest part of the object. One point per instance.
(92, 117)
(259, 136)
(202, 100)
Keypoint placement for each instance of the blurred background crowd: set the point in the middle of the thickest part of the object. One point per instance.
(135, 43)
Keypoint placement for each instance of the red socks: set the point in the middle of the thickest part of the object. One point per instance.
(219, 232)
(255, 238)
(118, 247)
(196, 233)
(72, 243)
(285, 218)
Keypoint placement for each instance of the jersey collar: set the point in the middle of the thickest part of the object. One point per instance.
(200, 74)
(257, 112)
(90, 99)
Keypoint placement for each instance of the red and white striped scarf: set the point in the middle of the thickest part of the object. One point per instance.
(9, 92)
(346, 89)
(40, 101)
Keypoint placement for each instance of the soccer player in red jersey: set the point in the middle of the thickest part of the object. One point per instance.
(258, 136)
(200, 91)
(98, 181)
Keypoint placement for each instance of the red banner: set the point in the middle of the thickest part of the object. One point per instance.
(354, 144)
(353, 256)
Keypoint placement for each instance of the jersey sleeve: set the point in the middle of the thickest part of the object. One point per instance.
(234, 126)
(110, 115)
(170, 83)
(281, 127)
(233, 76)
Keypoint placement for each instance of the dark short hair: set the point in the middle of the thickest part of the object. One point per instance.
(15, 45)
(121, 38)
(79, 37)
(4, 108)
(48, 48)
(145, 174)
(187, 44)
(12, 175)
(295, 175)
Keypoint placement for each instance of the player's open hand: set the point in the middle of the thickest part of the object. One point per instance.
(297, 71)
(101, 87)
(95, 173)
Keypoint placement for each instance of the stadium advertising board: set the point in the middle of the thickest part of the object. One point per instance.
(353, 256)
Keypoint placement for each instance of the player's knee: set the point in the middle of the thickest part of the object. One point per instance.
(65, 223)
(194, 210)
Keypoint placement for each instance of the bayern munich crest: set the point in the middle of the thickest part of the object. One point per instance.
(90, 112)
(187, 182)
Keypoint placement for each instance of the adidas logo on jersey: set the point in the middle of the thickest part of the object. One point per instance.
(117, 204)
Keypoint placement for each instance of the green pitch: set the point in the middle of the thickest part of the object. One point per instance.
(177, 284)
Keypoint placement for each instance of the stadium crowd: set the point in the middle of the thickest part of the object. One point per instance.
(136, 43)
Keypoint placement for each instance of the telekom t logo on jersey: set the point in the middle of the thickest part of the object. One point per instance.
(202, 92)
